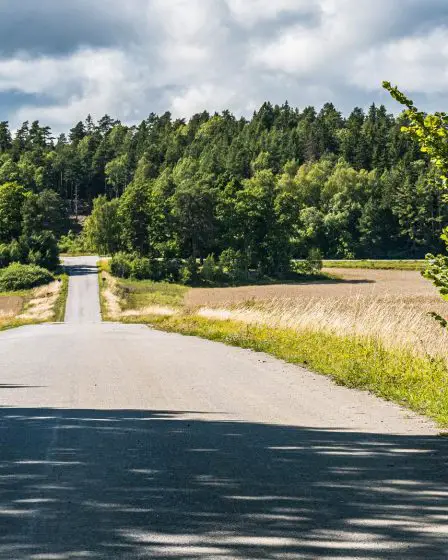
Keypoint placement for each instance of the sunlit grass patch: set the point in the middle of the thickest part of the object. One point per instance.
(140, 294)
(417, 264)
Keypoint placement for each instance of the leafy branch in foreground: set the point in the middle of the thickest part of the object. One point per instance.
(431, 132)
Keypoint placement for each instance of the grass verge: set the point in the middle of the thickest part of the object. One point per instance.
(145, 293)
(61, 301)
(36, 306)
(404, 374)
(377, 264)
(418, 383)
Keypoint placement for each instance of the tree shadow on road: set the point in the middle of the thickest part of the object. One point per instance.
(153, 484)
(80, 269)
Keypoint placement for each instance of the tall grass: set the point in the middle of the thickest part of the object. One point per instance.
(388, 345)
(396, 322)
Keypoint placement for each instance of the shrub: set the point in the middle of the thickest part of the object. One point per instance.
(190, 272)
(12, 252)
(17, 251)
(72, 243)
(312, 265)
(43, 250)
(23, 277)
(314, 260)
(143, 268)
(234, 265)
(210, 271)
(121, 265)
(5, 255)
(171, 269)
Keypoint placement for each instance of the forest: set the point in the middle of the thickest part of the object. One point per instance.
(263, 190)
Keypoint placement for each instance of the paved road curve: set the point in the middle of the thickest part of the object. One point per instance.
(117, 442)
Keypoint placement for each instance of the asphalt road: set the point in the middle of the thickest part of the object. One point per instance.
(83, 303)
(120, 442)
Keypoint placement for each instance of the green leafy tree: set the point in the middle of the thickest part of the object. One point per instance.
(134, 215)
(45, 211)
(12, 199)
(102, 228)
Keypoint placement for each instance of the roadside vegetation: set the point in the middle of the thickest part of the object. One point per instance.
(18, 276)
(45, 303)
(33, 289)
(384, 343)
(399, 375)
(377, 264)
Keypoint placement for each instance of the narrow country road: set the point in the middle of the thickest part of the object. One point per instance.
(119, 442)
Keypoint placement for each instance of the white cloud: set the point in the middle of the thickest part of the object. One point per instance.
(202, 97)
(250, 12)
(344, 27)
(190, 55)
(86, 82)
(418, 64)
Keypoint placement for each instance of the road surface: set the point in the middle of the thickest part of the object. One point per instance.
(118, 442)
(83, 303)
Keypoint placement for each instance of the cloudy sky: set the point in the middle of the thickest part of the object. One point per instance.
(63, 59)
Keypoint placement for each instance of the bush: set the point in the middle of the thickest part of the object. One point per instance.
(121, 265)
(314, 260)
(190, 272)
(234, 265)
(43, 250)
(171, 269)
(210, 271)
(17, 252)
(14, 252)
(312, 265)
(5, 255)
(72, 243)
(143, 268)
(23, 277)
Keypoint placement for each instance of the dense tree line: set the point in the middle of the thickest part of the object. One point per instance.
(269, 188)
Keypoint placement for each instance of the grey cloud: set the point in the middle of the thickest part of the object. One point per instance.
(59, 26)
(152, 62)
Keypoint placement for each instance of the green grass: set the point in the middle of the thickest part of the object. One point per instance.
(419, 383)
(138, 294)
(16, 323)
(61, 302)
(19, 293)
(377, 264)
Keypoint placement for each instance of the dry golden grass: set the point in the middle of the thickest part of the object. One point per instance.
(10, 306)
(110, 300)
(391, 306)
(121, 299)
(46, 303)
(354, 282)
(41, 306)
(393, 321)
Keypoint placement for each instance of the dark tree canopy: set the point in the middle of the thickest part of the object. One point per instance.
(272, 187)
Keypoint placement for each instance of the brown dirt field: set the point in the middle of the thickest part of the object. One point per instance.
(405, 285)
(10, 305)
